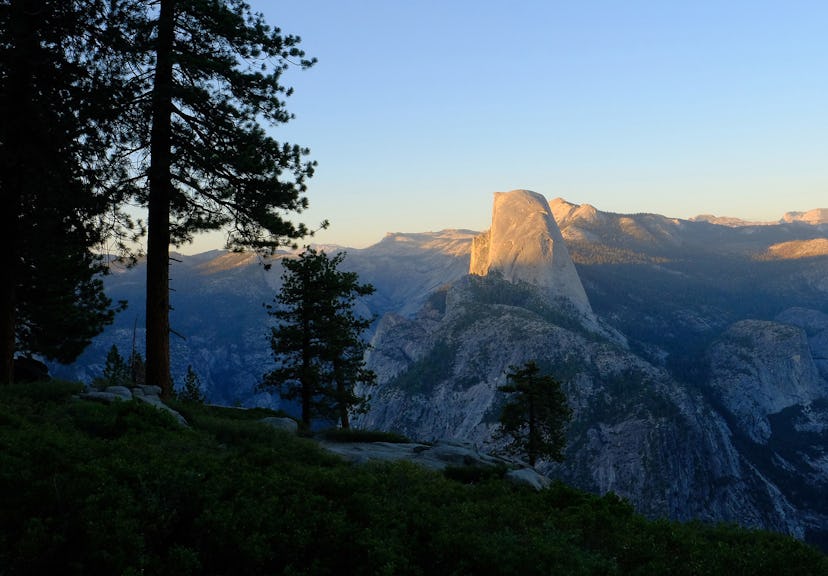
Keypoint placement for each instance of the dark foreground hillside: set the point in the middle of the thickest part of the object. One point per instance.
(88, 488)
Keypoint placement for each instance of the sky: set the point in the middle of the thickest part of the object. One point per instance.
(418, 111)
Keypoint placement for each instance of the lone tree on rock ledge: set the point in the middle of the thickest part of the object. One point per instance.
(535, 415)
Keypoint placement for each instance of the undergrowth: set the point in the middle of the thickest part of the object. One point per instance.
(89, 488)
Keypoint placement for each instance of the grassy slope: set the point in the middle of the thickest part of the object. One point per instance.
(87, 488)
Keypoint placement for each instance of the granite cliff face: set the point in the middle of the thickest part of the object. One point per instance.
(524, 244)
(759, 368)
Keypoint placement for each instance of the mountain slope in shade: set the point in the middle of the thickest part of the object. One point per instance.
(406, 267)
(636, 430)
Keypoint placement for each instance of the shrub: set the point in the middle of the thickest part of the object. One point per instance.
(89, 488)
(356, 435)
(191, 392)
(475, 474)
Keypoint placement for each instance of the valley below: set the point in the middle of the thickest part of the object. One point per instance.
(694, 353)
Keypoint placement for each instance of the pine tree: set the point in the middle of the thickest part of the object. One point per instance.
(191, 392)
(137, 369)
(317, 341)
(536, 414)
(60, 89)
(345, 356)
(212, 73)
(116, 371)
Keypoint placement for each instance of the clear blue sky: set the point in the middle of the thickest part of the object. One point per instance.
(418, 110)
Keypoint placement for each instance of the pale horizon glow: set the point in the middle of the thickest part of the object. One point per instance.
(417, 112)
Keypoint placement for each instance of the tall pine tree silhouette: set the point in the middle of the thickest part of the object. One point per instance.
(212, 72)
(61, 87)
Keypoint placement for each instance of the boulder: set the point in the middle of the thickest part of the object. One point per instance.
(159, 404)
(120, 391)
(286, 424)
(146, 390)
(147, 394)
(101, 396)
(529, 477)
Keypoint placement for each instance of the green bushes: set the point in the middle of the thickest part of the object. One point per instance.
(88, 488)
(357, 435)
(473, 474)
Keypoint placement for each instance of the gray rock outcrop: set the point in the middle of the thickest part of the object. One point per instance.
(288, 425)
(760, 368)
(815, 325)
(437, 456)
(147, 394)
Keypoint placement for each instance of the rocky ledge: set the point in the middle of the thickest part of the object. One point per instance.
(149, 394)
(438, 456)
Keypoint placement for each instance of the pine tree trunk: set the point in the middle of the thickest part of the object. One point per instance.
(341, 393)
(7, 319)
(8, 284)
(160, 183)
(307, 379)
(532, 424)
(7, 330)
(307, 376)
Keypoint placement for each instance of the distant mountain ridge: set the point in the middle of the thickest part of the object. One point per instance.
(813, 217)
(701, 391)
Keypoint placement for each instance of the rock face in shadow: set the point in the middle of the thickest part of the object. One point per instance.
(524, 244)
(759, 368)
(636, 431)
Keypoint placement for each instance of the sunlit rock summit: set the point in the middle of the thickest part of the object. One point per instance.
(525, 244)
(813, 217)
